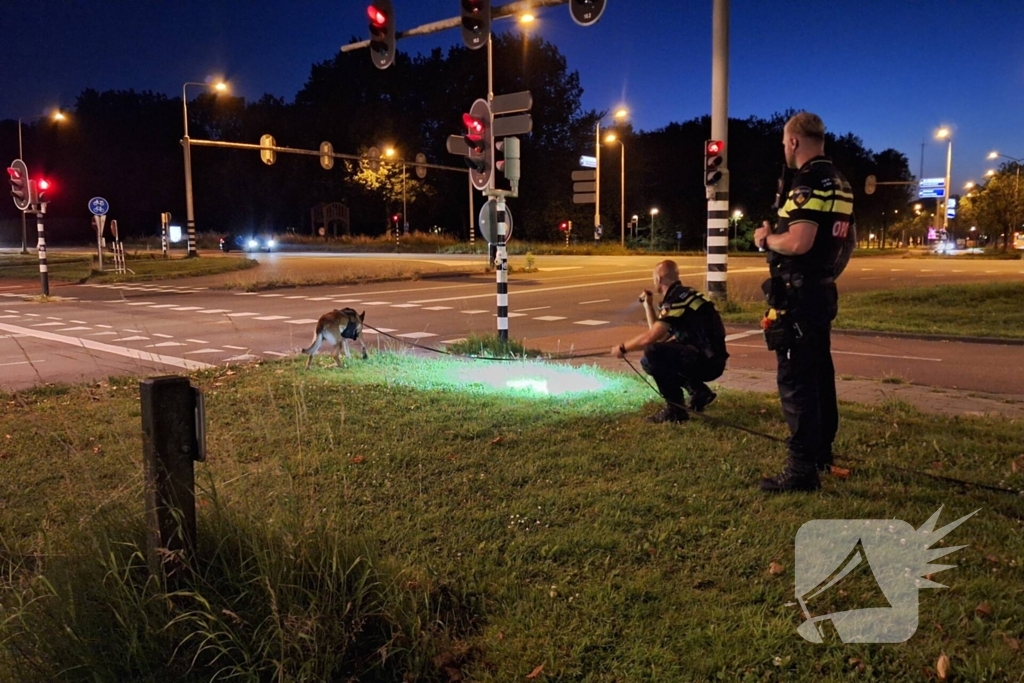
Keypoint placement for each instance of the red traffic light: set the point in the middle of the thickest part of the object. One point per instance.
(715, 147)
(13, 173)
(377, 18)
(395, 218)
(43, 185)
(563, 226)
(475, 125)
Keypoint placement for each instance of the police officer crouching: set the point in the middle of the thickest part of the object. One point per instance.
(684, 346)
(807, 251)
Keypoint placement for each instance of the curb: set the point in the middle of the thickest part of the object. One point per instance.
(931, 337)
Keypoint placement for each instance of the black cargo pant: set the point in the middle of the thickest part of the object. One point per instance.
(807, 381)
(675, 367)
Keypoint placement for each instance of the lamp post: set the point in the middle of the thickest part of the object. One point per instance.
(389, 153)
(737, 216)
(622, 204)
(190, 217)
(654, 212)
(619, 114)
(57, 116)
(945, 134)
(1016, 186)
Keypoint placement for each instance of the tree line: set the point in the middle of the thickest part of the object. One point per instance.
(125, 146)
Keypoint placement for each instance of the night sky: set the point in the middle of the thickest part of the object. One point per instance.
(891, 72)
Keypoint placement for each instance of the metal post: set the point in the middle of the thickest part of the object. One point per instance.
(44, 275)
(622, 205)
(652, 230)
(170, 443)
(945, 195)
(501, 271)
(24, 229)
(597, 176)
(190, 218)
(164, 220)
(718, 199)
(97, 222)
(405, 216)
(472, 228)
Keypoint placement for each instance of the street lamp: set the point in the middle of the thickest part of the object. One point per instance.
(57, 116)
(944, 133)
(620, 114)
(190, 217)
(389, 153)
(737, 215)
(654, 212)
(622, 206)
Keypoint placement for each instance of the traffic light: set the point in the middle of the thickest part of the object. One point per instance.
(18, 175)
(382, 33)
(506, 158)
(476, 23)
(586, 12)
(479, 139)
(41, 187)
(713, 150)
(395, 218)
(563, 226)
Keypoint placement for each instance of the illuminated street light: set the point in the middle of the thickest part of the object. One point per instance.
(190, 218)
(654, 212)
(389, 152)
(620, 113)
(527, 18)
(944, 133)
(969, 186)
(989, 173)
(622, 179)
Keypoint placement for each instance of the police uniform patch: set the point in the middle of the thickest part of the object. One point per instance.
(800, 195)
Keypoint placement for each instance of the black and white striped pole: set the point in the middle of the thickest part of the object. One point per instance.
(501, 269)
(165, 221)
(44, 275)
(715, 155)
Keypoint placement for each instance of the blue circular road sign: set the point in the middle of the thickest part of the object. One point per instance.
(99, 206)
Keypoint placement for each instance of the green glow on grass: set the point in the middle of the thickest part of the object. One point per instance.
(531, 378)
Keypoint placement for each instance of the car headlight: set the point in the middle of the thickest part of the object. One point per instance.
(253, 244)
(271, 244)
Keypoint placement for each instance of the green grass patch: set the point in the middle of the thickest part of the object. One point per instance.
(490, 346)
(974, 310)
(82, 268)
(411, 519)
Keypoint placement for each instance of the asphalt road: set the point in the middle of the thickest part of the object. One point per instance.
(583, 303)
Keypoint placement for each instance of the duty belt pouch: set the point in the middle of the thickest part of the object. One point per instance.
(781, 331)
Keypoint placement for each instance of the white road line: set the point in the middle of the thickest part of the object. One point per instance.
(187, 308)
(416, 335)
(551, 270)
(108, 348)
(527, 310)
(302, 321)
(201, 351)
(140, 303)
(132, 331)
(855, 353)
(214, 310)
(590, 322)
(347, 301)
(452, 341)
(163, 305)
(50, 317)
(2, 317)
(244, 356)
(595, 301)
(79, 322)
(236, 348)
(428, 308)
(242, 315)
(382, 303)
(295, 297)
(513, 315)
(550, 318)
(74, 329)
(22, 362)
(245, 293)
(276, 353)
(163, 336)
(133, 338)
(319, 298)
(270, 296)
(383, 330)
(475, 312)
(163, 344)
(896, 270)
(48, 324)
(405, 305)
(103, 334)
(197, 341)
(272, 317)
(742, 335)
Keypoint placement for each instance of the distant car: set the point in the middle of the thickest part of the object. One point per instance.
(240, 242)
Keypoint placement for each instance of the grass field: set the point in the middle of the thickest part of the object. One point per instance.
(403, 519)
(978, 310)
(77, 268)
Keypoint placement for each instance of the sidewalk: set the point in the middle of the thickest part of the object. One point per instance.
(938, 401)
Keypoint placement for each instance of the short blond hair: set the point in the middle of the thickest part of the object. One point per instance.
(806, 125)
(667, 270)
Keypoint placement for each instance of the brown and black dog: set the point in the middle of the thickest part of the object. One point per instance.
(337, 328)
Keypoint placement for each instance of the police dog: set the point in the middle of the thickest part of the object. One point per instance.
(337, 328)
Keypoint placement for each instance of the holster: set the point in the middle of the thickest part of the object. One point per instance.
(781, 329)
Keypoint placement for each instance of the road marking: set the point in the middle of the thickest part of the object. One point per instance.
(163, 344)
(140, 303)
(241, 315)
(527, 310)
(108, 348)
(48, 324)
(428, 308)
(382, 330)
(595, 301)
(513, 315)
(244, 356)
(347, 301)
(590, 322)
(381, 303)
(551, 270)
(927, 270)
(319, 298)
(74, 329)
(896, 270)
(276, 353)
(741, 335)
(295, 297)
(187, 308)
(863, 269)
(272, 317)
(214, 310)
(550, 318)
(452, 341)
(50, 317)
(197, 341)
(416, 335)
(236, 348)
(79, 322)
(163, 336)
(475, 312)
(2, 317)
(132, 331)
(301, 321)
(201, 351)
(405, 305)
(245, 293)
(163, 305)
(132, 338)
(103, 334)
(22, 362)
(270, 296)
(856, 353)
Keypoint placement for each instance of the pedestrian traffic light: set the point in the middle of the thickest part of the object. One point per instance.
(476, 23)
(586, 12)
(382, 33)
(479, 139)
(563, 226)
(41, 186)
(713, 150)
(18, 175)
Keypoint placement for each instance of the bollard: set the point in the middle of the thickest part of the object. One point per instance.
(173, 437)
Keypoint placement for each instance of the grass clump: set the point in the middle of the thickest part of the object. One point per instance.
(491, 346)
(396, 520)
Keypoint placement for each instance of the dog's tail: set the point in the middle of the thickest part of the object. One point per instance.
(314, 346)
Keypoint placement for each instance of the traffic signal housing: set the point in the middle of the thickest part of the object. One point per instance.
(40, 188)
(382, 33)
(479, 139)
(586, 12)
(476, 23)
(713, 150)
(18, 175)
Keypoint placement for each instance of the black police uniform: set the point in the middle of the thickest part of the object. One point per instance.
(803, 286)
(695, 353)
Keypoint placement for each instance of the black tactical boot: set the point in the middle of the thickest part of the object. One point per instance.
(798, 476)
(701, 398)
(825, 463)
(669, 414)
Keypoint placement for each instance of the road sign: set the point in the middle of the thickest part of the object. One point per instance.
(99, 206)
(932, 188)
(512, 103)
(588, 162)
(421, 171)
(374, 162)
(579, 176)
(951, 207)
(488, 221)
(326, 155)
(583, 188)
(512, 125)
(584, 198)
(268, 156)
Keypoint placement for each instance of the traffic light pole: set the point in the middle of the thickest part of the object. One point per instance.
(190, 217)
(44, 275)
(718, 194)
(501, 270)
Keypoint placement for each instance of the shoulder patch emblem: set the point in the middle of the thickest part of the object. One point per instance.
(800, 195)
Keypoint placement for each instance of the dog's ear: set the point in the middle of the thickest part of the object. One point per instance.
(361, 316)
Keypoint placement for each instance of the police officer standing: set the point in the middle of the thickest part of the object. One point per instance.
(684, 346)
(808, 249)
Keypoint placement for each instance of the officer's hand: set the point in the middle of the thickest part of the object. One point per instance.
(645, 296)
(617, 352)
(761, 235)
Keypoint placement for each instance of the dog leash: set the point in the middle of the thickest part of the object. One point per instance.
(852, 459)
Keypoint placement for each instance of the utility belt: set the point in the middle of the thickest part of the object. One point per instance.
(781, 323)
